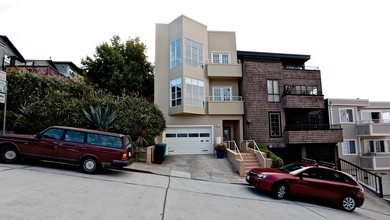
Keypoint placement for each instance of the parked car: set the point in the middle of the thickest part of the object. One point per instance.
(316, 182)
(91, 149)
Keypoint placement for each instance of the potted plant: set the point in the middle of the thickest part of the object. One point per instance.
(220, 148)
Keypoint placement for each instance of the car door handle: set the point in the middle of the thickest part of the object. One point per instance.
(81, 146)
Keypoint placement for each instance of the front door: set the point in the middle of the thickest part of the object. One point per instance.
(227, 134)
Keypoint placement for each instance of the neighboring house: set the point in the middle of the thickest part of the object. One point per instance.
(42, 67)
(284, 107)
(10, 56)
(197, 86)
(68, 69)
(366, 134)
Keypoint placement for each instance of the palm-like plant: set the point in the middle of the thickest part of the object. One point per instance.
(100, 119)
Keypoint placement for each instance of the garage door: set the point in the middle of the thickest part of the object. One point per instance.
(189, 140)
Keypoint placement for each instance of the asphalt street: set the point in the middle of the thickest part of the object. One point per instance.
(56, 191)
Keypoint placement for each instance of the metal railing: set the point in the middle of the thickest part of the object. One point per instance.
(364, 177)
(231, 145)
(223, 61)
(225, 99)
(302, 127)
(256, 150)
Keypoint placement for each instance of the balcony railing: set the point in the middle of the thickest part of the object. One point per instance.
(228, 61)
(303, 127)
(297, 67)
(364, 177)
(225, 99)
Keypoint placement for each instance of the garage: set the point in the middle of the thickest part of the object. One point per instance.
(188, 140)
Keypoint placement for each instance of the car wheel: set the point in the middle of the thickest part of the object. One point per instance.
(348, 204)
(9, 154)
(90, 165)
(280, 191)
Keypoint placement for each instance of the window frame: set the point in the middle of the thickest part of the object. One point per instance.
(341, 115)
(273, 90)
(176, 96)
(195, 98)
(175, 53)
(271, 124)
(221, 59)
(344, 145)
(194, 54)
(222, 93)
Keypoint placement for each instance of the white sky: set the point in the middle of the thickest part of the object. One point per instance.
(349, 40)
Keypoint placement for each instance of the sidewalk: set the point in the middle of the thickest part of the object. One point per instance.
(198, 167)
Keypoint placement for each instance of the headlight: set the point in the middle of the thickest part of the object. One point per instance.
(260, 175)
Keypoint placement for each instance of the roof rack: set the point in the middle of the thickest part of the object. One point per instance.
(326, 164)
(307, 160)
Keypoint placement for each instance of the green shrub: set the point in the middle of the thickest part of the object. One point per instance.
(277, 162)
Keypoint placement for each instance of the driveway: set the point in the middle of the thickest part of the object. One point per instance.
(198, 167)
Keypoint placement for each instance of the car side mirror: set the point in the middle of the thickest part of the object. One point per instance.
(39, 135)
(303, 175)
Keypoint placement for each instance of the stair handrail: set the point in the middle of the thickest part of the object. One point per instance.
(235, 147)
(256, 148)
(363, 176)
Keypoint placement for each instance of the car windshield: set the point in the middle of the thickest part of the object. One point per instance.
(292, 167)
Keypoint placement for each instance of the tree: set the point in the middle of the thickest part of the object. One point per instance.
(121, 68)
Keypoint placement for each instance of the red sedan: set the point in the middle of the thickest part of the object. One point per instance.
(312, 182)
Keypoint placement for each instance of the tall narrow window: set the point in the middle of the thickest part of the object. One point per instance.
(349, 147)
(221, 93)
(175, 53)
(346, 115)
(221, 57)
(194, 92)
(274, 124)
(176, 90)
(273, 90)
(194, 53)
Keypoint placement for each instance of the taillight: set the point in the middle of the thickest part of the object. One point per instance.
(124, 155)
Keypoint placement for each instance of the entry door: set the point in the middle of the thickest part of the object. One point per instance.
(227, 134)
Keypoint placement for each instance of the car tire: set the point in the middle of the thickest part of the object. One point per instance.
(9, 154)
(348, 203)
(280, 191)
(90, 165)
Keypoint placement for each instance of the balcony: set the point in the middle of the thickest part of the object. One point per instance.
(291, 99)
(374, 128)
(313, 133)
(224, 70)
(233, 105)
(375, 161)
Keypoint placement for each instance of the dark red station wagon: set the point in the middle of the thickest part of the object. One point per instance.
(91, 149)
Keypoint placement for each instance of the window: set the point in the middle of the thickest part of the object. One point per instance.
(222, 93)
(349, 147)
(176, 89)
(273, 90)
(74, 136)
(194, 92)
(377, 146)
(346, 115)
(53, 133)
(221, 57)
(194, 53)
(175, 53)
(104, 140)
(274, 123)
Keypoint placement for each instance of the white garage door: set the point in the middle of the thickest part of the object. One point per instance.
(188, 140)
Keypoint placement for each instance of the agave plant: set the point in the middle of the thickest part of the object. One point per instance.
(100, 118)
